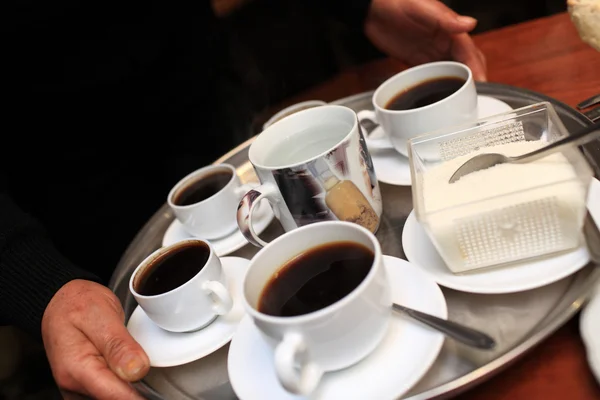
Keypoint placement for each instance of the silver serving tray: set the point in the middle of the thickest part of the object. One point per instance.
(518, 321)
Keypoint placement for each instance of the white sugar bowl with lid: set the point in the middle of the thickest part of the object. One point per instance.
(510, 212)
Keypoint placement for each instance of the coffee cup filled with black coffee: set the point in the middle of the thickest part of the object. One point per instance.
(205, 201)
(419, 100)
(182, 287)
(320, 296)
(425, 93)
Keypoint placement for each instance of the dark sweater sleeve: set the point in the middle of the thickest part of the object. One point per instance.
(69, 51)
(31, 268)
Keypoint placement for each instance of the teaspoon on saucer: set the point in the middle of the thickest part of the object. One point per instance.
(456, 331)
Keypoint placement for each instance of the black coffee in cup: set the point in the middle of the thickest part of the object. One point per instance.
(172, 269)
(316, 279)
(202, 188)
(425, 93)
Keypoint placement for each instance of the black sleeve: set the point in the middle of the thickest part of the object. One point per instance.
(31, 269)
(60, 54)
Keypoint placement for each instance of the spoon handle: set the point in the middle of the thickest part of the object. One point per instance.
(461, 333)
(583, 136)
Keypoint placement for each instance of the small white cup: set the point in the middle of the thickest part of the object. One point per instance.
(192, 305)
(334, 337)
(214, 217)
(401, 125)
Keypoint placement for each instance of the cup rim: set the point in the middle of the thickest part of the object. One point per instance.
(158, 253)
(292, 120)
(190, 176)
(290, 109)
(412, 70)
(332, 308)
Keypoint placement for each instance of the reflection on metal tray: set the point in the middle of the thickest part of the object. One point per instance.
(518, 321)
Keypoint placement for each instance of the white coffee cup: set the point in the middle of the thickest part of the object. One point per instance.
(401, 125)
(192, 305)
(334, 337)
(215, 216)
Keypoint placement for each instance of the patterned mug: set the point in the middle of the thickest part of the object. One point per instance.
(313, 166)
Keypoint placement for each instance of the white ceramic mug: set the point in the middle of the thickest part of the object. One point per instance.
(313, 166)
(192, 305)
(214, 217)
(329, 339)
(401, 125)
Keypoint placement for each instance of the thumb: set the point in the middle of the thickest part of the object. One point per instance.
(125, 356)
(460, 24)
(106, 330)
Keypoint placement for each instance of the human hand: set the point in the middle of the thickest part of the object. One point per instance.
(88, 346)
(421, 31)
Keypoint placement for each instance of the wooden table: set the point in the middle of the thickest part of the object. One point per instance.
(547, 56)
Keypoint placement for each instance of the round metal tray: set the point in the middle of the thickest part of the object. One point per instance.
(518, 321)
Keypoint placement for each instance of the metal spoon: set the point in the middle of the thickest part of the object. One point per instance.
(483, 161)
(461, 333)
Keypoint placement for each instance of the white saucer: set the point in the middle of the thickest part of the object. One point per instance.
(589, 321)
(167, 349)
(393, 168)
(403, 357)
(261, 219)
(524, 276)
(589, 325)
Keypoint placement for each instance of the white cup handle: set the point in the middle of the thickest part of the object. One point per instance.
(247, 206)
(296, 373)
(372, 144)
(221, 297)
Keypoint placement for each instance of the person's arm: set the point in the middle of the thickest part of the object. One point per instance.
(79, 320)
(420, 31)
(31, 269)
(58, 54)
(412, 31)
